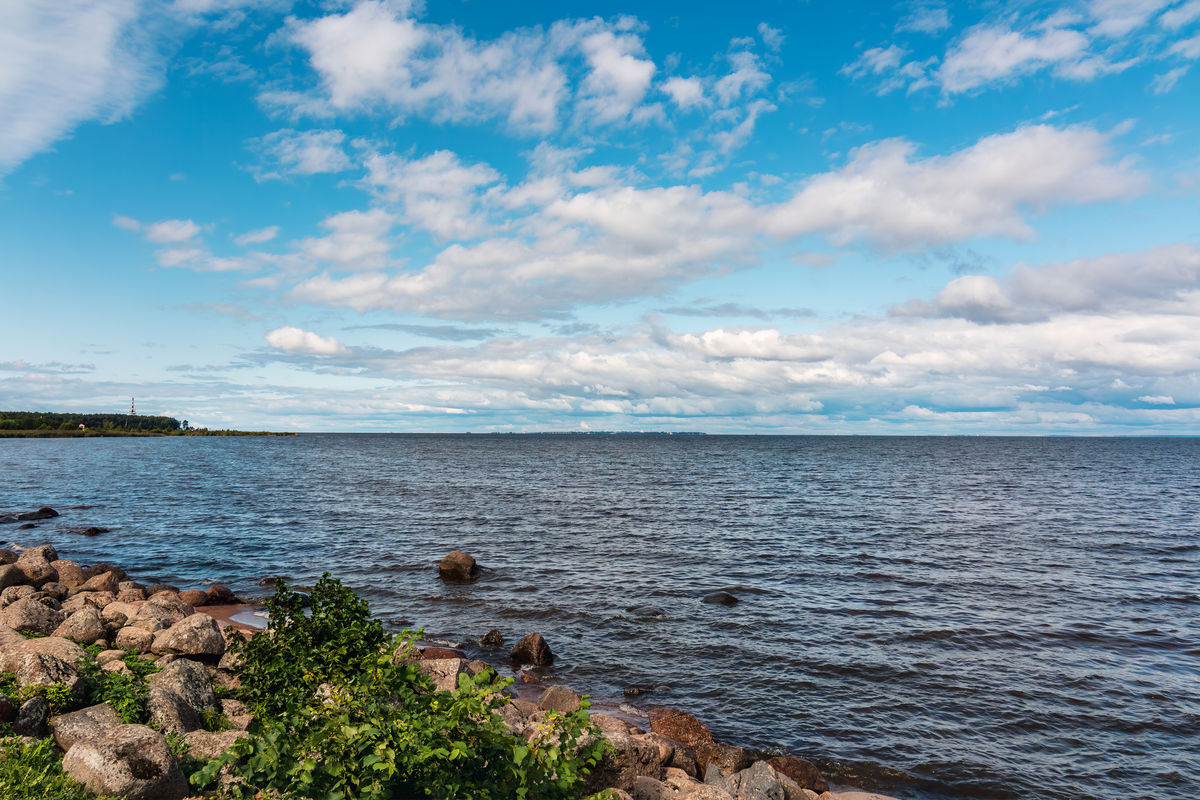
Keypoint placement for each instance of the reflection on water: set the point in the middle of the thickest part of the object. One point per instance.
(938, 618)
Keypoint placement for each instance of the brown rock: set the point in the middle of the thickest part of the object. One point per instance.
(193, 597)
(85, 723)
(622, 763)
(116, 615)
(492, 638)
(83, 626)
(14, 593)
(443, 671)
(207, 745)
(560, 699)
(139, 640)
(219, 594)
(801, 771)
(46, 670)
(27, 614)
(532, 649)
(37, 569)
(131, 595)
(458, 567)
(103, 567)
(442, 652)
(14, 648)
(56, 590)
(236, 712)
(130, 761)
(12, 575)
(7, 557)
(683, 727)
(196, 636)
(105, 582)
(70, 574)
(650, 789)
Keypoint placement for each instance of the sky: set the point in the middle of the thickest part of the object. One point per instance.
(772, 216)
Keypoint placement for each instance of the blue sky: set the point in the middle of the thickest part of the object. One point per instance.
(776, 217)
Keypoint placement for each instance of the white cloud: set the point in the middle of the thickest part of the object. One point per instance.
(896, 202)
(685, 92)
(618, 79)
(1181, 15)
(931, 19)
(992, 53)
(1166, 82)
(771, 37)
(67, 62)
(258, 236)
(359, 240)
(127, 223)
(292, 152)
(1188, 48)
(171, 230)
(295, 340)
(1115, 18)
(1157, 399)
(438, 192)
(748, 77)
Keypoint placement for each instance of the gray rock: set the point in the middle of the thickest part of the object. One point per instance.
(650, 789)
(131, 761)
(28, 614)
(38, 669)
(32, 717)
(559, 698)
(759, 781)
(179, 696)
(83, 626)
(236, 712)
(83, 724)
(627, 759)
(443, 671)
(45, 512)
(207, 745)
(197, 636)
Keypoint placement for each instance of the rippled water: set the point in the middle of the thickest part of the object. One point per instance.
(934, 617)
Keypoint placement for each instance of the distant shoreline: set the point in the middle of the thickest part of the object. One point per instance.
(88, 434)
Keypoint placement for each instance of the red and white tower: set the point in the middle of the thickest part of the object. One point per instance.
(131, 411)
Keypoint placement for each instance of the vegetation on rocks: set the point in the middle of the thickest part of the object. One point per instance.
(344, 713)
(33, 771)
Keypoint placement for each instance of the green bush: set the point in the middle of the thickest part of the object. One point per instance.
(127, 694)
(33, 771)
(343, 713)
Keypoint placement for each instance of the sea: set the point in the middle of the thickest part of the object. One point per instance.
(932, 618)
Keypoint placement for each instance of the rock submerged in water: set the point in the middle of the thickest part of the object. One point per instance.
(533, 650)
(458, 567)
(492, 638)
(723, 598)
(45, 512)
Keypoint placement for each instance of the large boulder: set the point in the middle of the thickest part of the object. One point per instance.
(83, 626)
(180, 694)
(139, 640)
(722, 598)
(70, 574)
(219, 594)
(208, 745)
(532, 649)
(85, 723)
(45, 512)
(104, 582)
(37, 670)
(560, 699)
(193, 597)
(681, 726)
(803, 772)
(28, 614)
(35, 563)
(7, 709)
(8, 557)
(443, 671)
(629, 757)
(12, 594)
(14, 647)
(759, 781)
(196, 636)
(32, 717)
(131, 761)
(458, 567)
(237, 713)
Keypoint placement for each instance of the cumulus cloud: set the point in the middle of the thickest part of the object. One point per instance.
(437, 192)
(925, 18)
(170, 231)
(358, 240)
(295, 340)
(685, 92)
(259, 236)
(291, 152)
(992, 53)
(1166, 82)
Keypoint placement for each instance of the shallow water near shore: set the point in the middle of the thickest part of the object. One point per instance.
(930, 617)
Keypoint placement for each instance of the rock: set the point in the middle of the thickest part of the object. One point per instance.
(103, 567)
(123, 585)
(14, 648)
(160, 615)
(131, 595)
(560, 699)
(620, 766)
(117, 666)
(117, 615)
(649, 789)
(26, 526)
(193, 597)
(11, 575)
(180, 694)
(801, 771)
(236, 712)
(442, 652)
(106, 656)
(724, 598)
(28, 614)
(443, 671)
(532, 649)
(14, 593)
(492, 638)
(477, 667)
(683, 727)
(196, 636)
(207, 745)
(159, 588)
(231, 661)
(32, 717)
(83, 626)
(83, 724)
(7, 557)
(39, 669)
(458, 567)
(104, 582)
(45, 512)
(94, 530)
(7, 709)
(219, 594)
(56, 590)
(131, 761)
(759, 781)
(37, 570)
(97, 600)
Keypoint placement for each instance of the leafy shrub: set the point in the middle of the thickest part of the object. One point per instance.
(343, 713)
(127, 694)
(34, 772)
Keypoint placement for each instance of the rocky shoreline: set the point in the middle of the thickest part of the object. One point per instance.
(51, 609)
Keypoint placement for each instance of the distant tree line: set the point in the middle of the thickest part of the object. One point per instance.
(45, 421)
